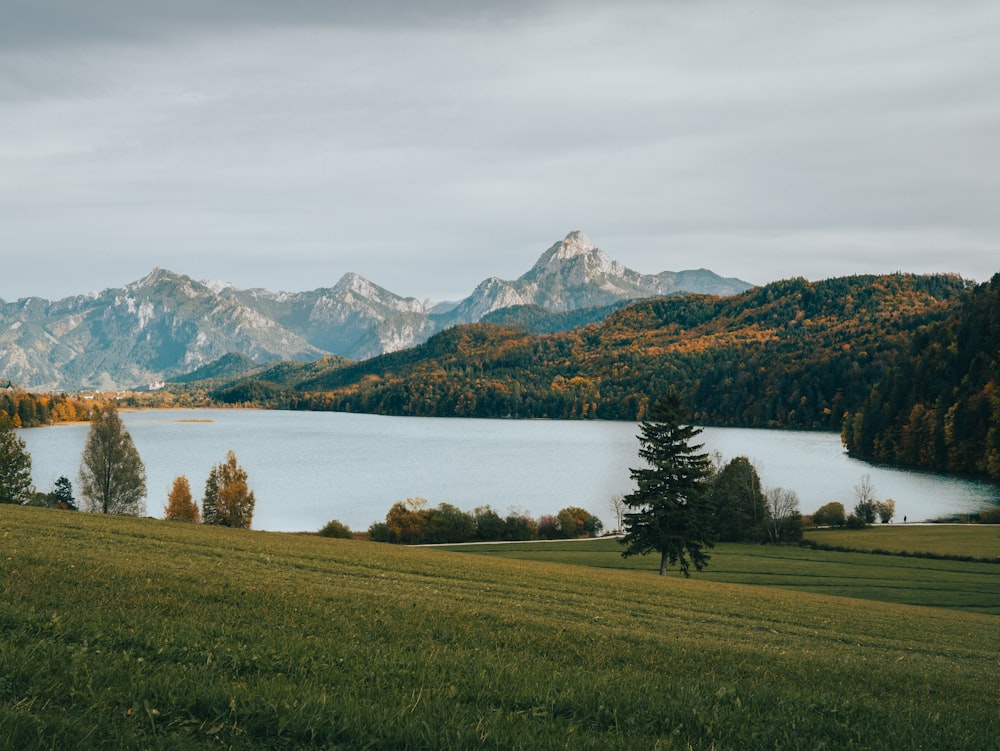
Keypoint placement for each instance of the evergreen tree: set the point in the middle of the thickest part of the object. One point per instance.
(671, 513)
(62, 494)
(112, 475)
(228, 501)
(739, 507)
(15, 465)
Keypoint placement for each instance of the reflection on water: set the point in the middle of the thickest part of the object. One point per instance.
(307, 468)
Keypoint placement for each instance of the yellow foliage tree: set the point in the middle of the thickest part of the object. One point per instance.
(180, 506)
(228, 501)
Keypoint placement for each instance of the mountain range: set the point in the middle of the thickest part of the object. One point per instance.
(165, 324)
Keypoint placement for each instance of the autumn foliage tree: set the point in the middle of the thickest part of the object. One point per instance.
(830, 514)
(415, 522)
(228, 500)
(578, 522)
(180, 504)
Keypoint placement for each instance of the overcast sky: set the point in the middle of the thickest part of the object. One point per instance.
(429, 145)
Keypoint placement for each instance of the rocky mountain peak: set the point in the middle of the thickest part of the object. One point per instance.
(577, 255)
(155, 277)
(355, 288)
(351, 282)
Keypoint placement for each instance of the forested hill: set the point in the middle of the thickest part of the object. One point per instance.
(938, 406)
(793, 354)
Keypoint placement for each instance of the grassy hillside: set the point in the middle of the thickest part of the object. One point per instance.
(972, 540)
(136, 633)
(971, 586)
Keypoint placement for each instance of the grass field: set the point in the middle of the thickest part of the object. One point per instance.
(913, 581)
(974, 540)
(134, 634)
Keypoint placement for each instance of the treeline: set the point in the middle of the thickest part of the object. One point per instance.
(793, 354)
(538, 320)
(741, 510)
(29, 410)
(413, 522)
(938, 405)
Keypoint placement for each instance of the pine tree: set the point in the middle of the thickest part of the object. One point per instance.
(112, 475)
(671, 512)
(62, 494)
(180, 506)
(15, 465)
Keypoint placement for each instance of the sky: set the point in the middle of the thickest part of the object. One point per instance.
(430, 145)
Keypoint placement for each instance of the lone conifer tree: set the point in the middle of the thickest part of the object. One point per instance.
(671, 513)
(15, 465)
(62, 494)
(112, 476)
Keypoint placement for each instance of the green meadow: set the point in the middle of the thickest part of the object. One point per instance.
(957, 540)
(119, 633)
(973, 586)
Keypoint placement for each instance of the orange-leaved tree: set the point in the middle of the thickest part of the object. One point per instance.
(180, 506)
(228, 499)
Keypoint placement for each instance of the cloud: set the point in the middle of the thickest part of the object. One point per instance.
(428, 145)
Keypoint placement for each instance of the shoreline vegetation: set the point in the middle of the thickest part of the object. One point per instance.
(140, 633)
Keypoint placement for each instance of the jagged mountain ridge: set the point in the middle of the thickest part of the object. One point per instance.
(162, 324)
(166, 324)
(355, 318)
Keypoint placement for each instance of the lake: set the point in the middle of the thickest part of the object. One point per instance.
(307, 468)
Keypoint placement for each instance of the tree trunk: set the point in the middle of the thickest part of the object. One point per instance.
(663, 563)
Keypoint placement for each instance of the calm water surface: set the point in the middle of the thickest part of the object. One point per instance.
(307, 468)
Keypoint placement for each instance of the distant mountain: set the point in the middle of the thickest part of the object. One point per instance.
(161, 325)
(166, 325)
(355, 318)
(232, 365)
(574, 274)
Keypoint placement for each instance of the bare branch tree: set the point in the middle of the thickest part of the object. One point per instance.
(785, 522)
(617, 506)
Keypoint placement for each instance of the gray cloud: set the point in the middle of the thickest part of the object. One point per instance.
(428, 145)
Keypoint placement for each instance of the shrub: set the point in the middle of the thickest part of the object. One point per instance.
(856, 521)
(830, 515)
(334, 528)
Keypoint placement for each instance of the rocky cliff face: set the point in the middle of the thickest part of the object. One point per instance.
(166, 324)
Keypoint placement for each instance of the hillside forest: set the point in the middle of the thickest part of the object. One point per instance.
(903, 366)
